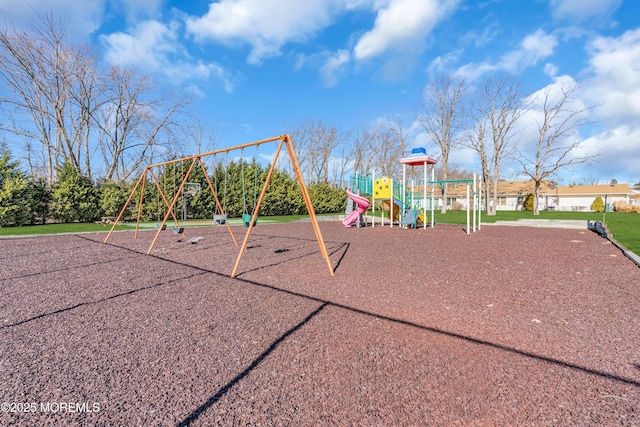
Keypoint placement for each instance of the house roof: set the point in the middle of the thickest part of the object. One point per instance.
(522, 187)
(594, 189)
(506, 188)
(512, 188)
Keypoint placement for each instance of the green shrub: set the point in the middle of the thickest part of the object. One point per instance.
(15, 192)
(39, 200)
(597, 205)
(74, 198)
(14, 206)
(283, 196)
(327, 198)
(112, 198)
(528, 203)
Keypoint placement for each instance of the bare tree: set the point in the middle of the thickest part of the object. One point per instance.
(340, 165)
(201, 138)
(493, 116)
(87, 97)
(300, 135)
(315, 143)
(441, 119)
(134, 121)
(389, 145)
(57, 98)
(40, 70)
(591, 180)
(558, 142)
(328, 138)
(385, 152)
(362, 154)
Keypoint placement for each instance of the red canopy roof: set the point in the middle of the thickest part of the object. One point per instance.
(418, 160)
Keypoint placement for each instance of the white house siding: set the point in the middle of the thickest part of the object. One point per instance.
(561, 198)
(511, 204)
(575, 202)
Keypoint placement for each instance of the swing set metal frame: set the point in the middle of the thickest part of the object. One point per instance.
(197, 159)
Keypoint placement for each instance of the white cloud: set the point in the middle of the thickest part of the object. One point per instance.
(614, 85)
(140, 9)
(402, 24)
(333, 67)
(615, 82)
(581, 10)
(619, 155)
(533, 48)
(550, 70)
(471, 72)
(480, 37)
(148, 44)
(81, 21)
(550, 94)
(442, 64)
(156, 48)
(538, 45)
(368, 4)
(265, 25)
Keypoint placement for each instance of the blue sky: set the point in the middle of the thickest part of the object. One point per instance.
(257, 68)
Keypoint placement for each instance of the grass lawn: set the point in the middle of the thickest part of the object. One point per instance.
(92, 227)
(84, 227)
(625, 227)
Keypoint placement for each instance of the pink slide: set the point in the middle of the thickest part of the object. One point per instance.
(362, 204)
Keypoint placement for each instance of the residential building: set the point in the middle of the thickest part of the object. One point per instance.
(511, 196)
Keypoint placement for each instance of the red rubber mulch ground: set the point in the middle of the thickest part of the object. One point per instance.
(506, 326)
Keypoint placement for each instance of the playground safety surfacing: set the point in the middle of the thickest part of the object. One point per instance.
(508, 326)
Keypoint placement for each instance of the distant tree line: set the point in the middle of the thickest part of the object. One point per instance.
(238, 185)
(26, 200)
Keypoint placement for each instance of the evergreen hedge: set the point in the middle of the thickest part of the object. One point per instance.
(74, 198)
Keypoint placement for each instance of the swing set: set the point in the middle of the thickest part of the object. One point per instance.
(220, 217)
(246, 216)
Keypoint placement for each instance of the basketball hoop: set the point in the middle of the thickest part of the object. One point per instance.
(191, 189)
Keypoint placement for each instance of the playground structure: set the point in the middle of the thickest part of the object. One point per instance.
(220, 216)
(362, 204)
(402, 200)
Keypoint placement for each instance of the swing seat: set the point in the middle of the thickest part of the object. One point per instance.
(246, 220)
(178, 230)
(221, 219)
(161, 226)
